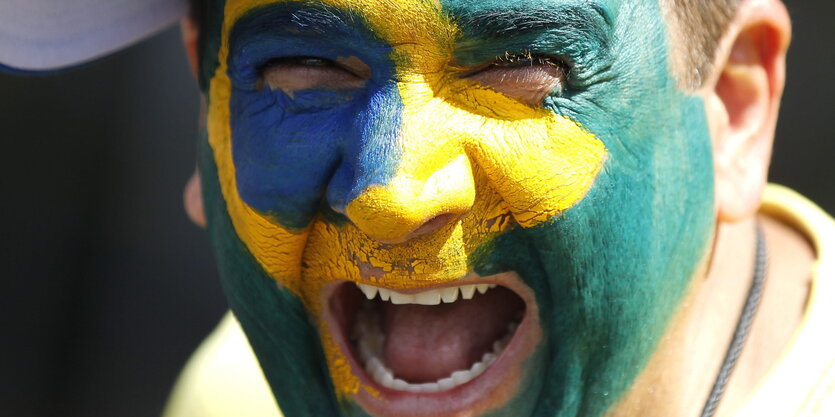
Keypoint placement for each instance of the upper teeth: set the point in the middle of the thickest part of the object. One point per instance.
(430, 297)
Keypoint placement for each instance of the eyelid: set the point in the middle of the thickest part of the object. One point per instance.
(530, 82)
(295, 73)
(509, 58)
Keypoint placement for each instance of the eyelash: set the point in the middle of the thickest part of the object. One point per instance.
(525, 76)
(527, 58)
(307, 62)
(509, 60)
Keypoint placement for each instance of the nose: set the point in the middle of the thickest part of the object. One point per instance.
(419, 199)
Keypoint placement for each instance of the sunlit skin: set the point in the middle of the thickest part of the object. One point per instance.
(414, 145)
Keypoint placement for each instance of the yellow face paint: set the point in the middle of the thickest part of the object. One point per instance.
(466, 149)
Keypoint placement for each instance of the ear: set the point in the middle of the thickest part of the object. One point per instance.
(190, 34)
(193, 200)
(742, 102)
(192, 195)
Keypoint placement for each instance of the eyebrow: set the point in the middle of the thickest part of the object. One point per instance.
(304, 19)
(294, 29)
(512, 22)
(320, 19)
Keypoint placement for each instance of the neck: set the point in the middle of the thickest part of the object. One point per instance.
(781, 311)
(679, 376)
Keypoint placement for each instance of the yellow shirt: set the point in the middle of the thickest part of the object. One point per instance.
(802, 382)
(223, 379)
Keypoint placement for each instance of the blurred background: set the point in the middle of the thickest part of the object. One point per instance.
(106, 288)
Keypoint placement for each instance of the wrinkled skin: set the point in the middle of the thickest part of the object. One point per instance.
(597, 191)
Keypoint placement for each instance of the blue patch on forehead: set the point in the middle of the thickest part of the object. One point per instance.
(289, 151)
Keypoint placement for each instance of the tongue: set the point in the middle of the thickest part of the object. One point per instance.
(427, 343)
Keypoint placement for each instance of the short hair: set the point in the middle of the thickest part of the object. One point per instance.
(700, 22)
(696, 27)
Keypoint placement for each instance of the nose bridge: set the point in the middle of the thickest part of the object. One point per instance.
(372, 149)
(430, 182)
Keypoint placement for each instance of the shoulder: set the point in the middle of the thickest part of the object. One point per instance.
(802, 383)
(222, 378)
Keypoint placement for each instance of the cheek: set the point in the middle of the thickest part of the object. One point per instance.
(284, 156)
(539, 162)
(541, 170)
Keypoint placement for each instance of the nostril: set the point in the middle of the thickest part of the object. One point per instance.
(432, 225)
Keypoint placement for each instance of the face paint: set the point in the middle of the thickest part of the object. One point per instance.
(598, 199)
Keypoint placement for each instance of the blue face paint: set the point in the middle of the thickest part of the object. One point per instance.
(290, 151)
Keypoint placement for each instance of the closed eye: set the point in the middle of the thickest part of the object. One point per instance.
(291, 74)
(526, 77)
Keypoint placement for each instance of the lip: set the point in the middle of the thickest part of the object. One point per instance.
(492, 389)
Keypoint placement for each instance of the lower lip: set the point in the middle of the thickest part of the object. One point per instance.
(490, 390)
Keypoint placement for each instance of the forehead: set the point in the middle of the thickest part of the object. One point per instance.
(404, 21)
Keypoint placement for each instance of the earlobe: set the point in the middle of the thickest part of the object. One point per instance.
(190, 35)
(193, 200)
(742, 104)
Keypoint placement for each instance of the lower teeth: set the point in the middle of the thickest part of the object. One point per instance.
(369, 340)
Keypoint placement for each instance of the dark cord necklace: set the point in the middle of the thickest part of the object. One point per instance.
(742, 328)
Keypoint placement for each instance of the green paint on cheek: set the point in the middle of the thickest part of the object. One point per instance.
(608, 276)
(611, 272)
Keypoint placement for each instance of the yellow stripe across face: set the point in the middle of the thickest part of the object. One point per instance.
(539, 162)
(465, 148)
(277, 249)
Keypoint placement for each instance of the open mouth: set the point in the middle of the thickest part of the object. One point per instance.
(453, 344)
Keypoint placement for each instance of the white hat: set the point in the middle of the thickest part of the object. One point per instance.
(40, 35)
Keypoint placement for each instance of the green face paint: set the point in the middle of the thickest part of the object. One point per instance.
(593, 206)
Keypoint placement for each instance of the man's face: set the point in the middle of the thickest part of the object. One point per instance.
(518, 187)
